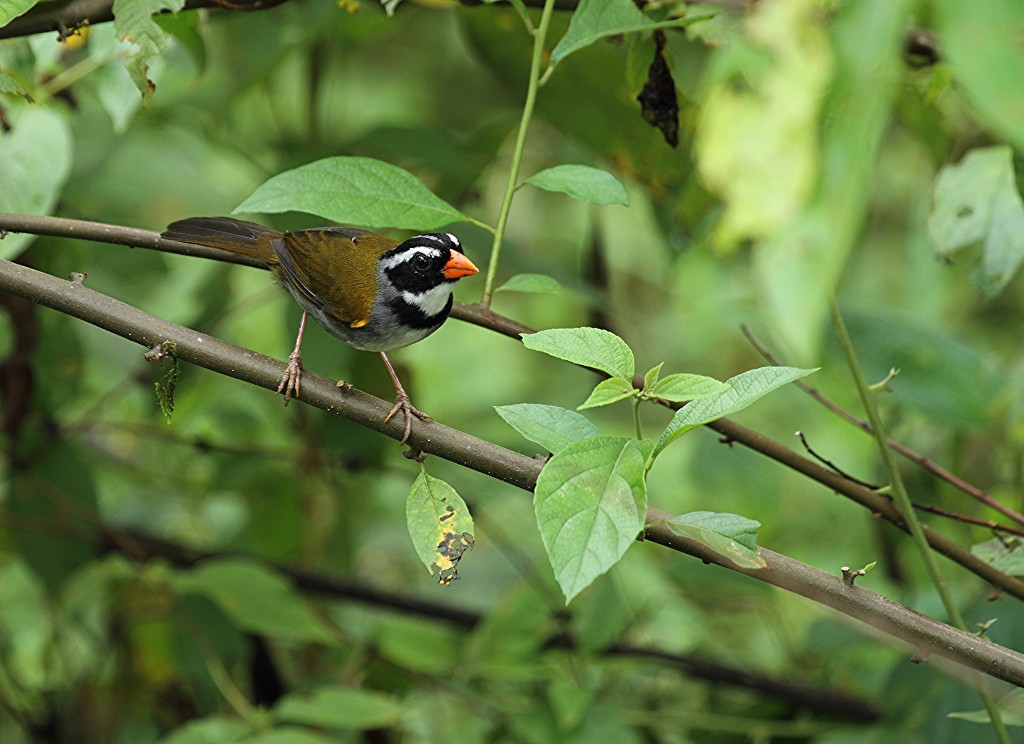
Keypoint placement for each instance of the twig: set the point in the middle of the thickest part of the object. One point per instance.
(873, 501)
(932, 467)
(831, 465)
(539, 36)
(990, 524)
(133, 237)
(67, 18)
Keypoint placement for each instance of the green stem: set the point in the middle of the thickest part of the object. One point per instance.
(67, 78)
(539, 36)
(902, 499)
(636, 417)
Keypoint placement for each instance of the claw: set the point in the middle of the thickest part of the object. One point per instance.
(403, 404)
(292, 378)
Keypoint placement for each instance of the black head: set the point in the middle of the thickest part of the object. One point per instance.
(424, 262)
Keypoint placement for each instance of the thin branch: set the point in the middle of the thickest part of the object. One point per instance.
(877, 504)
(133, 237)
(928, 636)
(65, 19)
(831, 465)
(932, 467)
(536, 59)
(966, 518)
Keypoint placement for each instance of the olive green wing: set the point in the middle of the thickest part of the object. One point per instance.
(334, 268)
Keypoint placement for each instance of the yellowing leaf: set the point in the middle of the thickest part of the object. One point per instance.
(757, 138)
(440, 526)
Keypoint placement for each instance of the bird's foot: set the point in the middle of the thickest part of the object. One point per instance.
(292, 377)
(403, 404)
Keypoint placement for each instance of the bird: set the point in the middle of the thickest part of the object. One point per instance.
(367, 289)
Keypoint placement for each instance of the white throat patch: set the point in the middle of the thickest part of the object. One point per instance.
(432, 301)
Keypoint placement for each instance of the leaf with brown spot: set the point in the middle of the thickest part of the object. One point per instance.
(440, 526)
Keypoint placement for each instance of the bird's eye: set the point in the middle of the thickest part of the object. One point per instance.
(420, 262)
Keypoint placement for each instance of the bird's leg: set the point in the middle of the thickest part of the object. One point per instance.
(292, 376)
(402, 402)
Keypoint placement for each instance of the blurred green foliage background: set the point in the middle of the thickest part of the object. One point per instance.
(808, 156)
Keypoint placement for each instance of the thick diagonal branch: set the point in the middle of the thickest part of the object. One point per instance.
(928, 636)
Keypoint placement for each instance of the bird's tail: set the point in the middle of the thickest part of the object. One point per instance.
(235, 236)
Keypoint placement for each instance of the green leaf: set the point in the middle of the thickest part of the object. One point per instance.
(743, 390)
(1003, 553)
(1011, 708)
(14, 85)
(115, 88)
(358, 191)
(418, 645)
(608, 391)
(210, 730)
(255, 598)
(798, 266)
(729, 535)
(26, 625)
(133, 22)
(591, 501)
(591, 347)
(88, 604)
(651, 378)
(11, 9)
(36, 159)
(758, 136)
(339, 707)
(288, 735)
(440, 526)
(981, 42)
(594, 20)
(551, 427)
(582, 182)
(512, 632)
(185, 28)
(977, 202)
(537, 283)
(683, 386)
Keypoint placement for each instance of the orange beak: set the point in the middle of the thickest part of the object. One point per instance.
(459, 266)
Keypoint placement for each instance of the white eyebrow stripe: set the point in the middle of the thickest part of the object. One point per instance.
(408, 253)
(440, 239)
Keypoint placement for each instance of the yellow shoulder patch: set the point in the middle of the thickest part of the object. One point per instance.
(359, 323)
